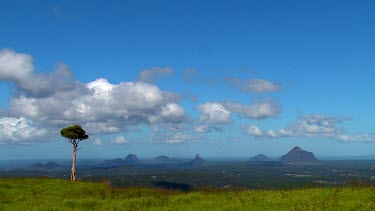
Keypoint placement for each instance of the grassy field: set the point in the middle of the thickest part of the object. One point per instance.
(56, 194)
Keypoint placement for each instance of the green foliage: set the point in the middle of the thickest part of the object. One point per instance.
(56, 194)
(74, 132)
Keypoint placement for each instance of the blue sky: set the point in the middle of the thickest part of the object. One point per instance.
(219, 78)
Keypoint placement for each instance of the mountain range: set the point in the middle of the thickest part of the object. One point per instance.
(294, 155)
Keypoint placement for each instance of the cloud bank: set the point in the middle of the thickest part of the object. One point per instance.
(311, 126)
(58, 99)
(47, 102)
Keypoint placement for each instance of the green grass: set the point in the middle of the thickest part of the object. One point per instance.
(56, 194)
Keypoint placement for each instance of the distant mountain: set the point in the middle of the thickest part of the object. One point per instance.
(162, 162)
(161, 158)
(131, 159)
(298, 155)
(46, 166)
(197, 161)
(37, 165)
(260, 158)
(112, 163)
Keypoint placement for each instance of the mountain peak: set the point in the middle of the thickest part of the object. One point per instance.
(298, 155)
(131, 158)
(197, 161)
(161, 157)
(297, 148)
(260, 158)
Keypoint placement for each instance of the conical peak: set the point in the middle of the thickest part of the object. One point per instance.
(297, 148)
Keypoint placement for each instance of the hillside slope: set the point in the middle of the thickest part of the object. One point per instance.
(55, 194)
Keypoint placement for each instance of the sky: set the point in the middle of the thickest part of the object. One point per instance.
(176, 78)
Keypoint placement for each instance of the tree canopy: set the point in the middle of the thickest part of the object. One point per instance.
(74, 132)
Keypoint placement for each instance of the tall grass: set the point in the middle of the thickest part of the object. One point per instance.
(56, 194)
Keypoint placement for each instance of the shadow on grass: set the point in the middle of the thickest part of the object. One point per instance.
(173, 186)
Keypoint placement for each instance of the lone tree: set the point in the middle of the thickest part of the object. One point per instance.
(74, 134)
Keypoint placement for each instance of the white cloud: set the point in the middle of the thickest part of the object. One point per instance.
(214, 113)
(202, 129)
(312, 126)
(260, 110)
(364, 138)
(101, 88)
(108, 126)
(253, 130)
(170, 113)
(56, 100)
(149, 75)
(103, 107)
(255, 85)
(15, 66)
(284, 133)
(19, 130)
(18, 68)
(120, 140)
(220, 113)
(307, 126)
(176, 138)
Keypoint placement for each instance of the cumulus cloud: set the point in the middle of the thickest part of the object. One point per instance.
(170, 113)
(312, 126)
(120, 140)
(15, 66)
(18, 68)
(19, 130)
(255, 85)
(214, 113)
(149, 75)
(253, 130)
(103, 107)
(58, 99)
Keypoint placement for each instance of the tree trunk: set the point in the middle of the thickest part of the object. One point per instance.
(73, 174)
